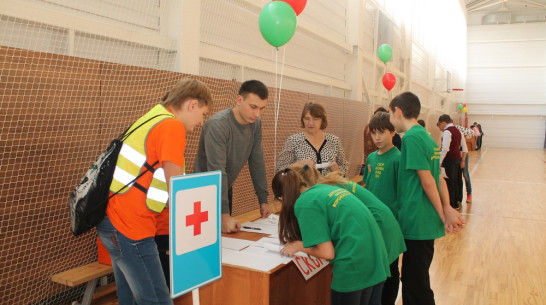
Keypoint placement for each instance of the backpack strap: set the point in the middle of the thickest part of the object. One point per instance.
(125, 135)
(149, 168)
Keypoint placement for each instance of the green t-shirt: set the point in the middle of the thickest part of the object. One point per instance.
(390, 229)
(418, 218)
(380, 176)
(329, 213)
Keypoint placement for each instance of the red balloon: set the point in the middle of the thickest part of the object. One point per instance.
(464, 105)
(297, 5)
(389, 80)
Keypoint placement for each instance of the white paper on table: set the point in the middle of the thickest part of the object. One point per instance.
(260, 242)
(259, 227)
(228, 252)
(263, 252)
(269, 225)
(271, 220)
(322, 165)
(275, 235)
(252, 261)
(277, 249)
(235, 243)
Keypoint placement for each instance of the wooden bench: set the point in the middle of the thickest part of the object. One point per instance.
(90, 274)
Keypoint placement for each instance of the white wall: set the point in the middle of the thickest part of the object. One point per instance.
(506, 84)
(333, 52)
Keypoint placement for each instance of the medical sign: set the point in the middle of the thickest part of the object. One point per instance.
(195, 231)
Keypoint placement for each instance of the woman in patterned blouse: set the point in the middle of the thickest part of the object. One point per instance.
(313, 146)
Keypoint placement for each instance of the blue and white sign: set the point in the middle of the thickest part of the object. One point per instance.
(195, 231)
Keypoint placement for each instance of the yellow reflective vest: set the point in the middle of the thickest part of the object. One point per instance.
(132, 159)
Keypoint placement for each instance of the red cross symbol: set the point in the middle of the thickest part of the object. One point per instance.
(197, 218)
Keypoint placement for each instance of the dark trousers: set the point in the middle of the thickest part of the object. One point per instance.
(479, 142)
(459, 194)
(415, 272)
(367, 296)
(390, 290)
(452, 167)
(162, 242)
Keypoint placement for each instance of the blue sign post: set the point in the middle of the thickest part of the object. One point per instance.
(195, 231)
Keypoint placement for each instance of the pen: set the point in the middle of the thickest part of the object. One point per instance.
(245, 227)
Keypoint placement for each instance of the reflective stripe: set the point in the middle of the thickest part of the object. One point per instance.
(155, 206)
(122, 176)
(157, 194)
(160, 175)
(132, 155)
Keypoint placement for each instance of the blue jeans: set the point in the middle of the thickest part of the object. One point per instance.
(466, 176)
(137, 269)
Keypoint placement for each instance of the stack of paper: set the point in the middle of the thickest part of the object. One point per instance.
(269, 225)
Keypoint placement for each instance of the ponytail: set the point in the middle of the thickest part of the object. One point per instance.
(286, 184)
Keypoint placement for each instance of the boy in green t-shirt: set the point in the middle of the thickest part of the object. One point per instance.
(424, 211)
(380, 176)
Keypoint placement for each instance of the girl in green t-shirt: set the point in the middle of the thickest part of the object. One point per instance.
(389, 226)
(331, 223)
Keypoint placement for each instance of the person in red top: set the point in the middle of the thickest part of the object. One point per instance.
(156, 147)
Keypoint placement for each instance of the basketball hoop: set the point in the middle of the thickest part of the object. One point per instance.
(457, 89)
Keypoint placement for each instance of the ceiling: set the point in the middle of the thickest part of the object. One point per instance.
(504, 5)
(505, 11)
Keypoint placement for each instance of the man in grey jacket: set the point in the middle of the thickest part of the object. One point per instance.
(229, 139)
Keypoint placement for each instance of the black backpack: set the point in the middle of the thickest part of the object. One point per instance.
(89, 199)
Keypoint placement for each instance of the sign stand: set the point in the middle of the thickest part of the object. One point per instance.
(195, 296)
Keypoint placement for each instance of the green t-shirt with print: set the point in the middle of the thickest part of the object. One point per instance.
(381, 174)
(390, 229)
(418, 218)
(329, 213)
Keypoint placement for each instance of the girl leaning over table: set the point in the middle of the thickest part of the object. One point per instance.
(329, 222)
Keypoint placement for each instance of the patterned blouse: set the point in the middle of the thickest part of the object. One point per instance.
(297, 148)
(467, 132)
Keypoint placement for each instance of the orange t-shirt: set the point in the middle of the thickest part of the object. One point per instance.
(128, 212)
(163, 222)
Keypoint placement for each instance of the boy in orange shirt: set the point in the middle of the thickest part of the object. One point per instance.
(155, 146)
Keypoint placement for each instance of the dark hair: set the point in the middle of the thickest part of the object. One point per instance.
(286, 184)
(408, 103)
(421, 122)
(380, 109)
(445, 118)
(381, 121)
(317, 111)
(254, 86)
(185, 90)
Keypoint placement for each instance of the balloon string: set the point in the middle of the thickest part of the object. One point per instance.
(275, 108)
(278, 104)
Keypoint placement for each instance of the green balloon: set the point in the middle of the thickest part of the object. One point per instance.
(384, 52)
(460, 106)
(277, 23)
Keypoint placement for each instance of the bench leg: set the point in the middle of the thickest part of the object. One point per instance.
(89, 290)
(103, 281)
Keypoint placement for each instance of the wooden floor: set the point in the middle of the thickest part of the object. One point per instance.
(499, 258)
